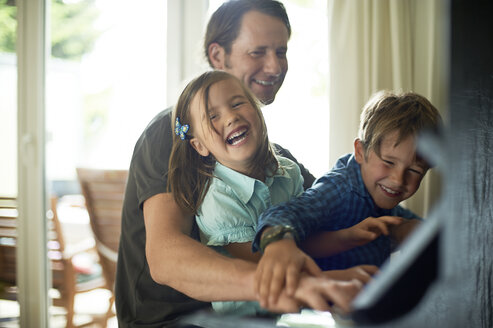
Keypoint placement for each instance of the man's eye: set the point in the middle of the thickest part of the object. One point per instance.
(281, 54)
(257, 53)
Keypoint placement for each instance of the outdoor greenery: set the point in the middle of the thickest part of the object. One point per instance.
(72, 25)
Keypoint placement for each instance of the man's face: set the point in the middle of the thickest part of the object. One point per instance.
(393, 176)
(258, 55)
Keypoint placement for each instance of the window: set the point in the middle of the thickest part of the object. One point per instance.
(299, 117)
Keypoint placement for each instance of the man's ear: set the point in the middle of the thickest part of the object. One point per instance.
(217, 55)
(359, 151)
(199, 147)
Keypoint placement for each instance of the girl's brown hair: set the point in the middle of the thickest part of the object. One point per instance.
(189, 174)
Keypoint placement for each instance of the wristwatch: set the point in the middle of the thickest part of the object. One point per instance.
(276, 233)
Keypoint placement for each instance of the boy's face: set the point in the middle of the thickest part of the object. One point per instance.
(393, 176)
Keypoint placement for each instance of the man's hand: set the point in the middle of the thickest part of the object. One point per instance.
(363, 273)
(280, 268)
(318, 293)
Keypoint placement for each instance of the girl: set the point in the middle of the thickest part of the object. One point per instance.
(223, 168)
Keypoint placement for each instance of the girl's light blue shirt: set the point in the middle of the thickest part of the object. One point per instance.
(232, 206)
(234, 202)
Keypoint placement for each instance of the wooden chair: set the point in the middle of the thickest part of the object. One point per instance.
(103, 191)
(64, 275)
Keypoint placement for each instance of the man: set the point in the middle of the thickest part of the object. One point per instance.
(162, 267)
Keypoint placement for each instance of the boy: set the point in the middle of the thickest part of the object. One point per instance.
(362, 192)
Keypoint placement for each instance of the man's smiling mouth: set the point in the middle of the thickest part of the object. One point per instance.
(266, 83)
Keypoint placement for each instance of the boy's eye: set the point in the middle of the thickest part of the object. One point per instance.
(416, 171)
(388, 162)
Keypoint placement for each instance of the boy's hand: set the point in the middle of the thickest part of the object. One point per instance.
(362, 273)
(369, 229)
(400, 232)
(280, 268)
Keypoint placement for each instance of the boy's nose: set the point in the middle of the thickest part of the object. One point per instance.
(398, 177)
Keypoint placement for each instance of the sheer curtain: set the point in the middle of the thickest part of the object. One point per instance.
(385, 44)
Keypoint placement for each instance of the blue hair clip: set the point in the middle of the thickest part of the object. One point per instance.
(181, 130)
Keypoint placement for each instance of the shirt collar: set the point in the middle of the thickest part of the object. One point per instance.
(242, 185)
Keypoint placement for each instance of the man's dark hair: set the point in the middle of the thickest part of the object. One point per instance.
(224, 25)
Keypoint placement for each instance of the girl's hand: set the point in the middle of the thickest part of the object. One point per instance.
(280, 268)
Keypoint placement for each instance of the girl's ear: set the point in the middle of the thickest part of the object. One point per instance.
(199, 147)
(359, 151)
(217, 55)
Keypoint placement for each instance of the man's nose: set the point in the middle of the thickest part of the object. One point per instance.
(272, 64)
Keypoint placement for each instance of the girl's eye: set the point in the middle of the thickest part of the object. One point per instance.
(212, 116)
(238, 104)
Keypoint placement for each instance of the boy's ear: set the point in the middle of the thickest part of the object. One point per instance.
(217, 55)
(359, 151)
(199, 147)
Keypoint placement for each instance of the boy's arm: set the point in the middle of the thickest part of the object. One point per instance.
(329, 243)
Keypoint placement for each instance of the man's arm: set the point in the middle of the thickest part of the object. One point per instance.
(177, 260)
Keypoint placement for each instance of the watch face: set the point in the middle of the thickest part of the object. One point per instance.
(276, 233)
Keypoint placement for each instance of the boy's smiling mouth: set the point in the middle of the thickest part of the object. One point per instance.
(390, 192)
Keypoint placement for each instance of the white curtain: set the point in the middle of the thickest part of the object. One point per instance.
(385, 44)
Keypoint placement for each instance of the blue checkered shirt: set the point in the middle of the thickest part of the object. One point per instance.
(337, 200)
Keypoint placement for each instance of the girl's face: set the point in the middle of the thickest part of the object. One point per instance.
(237, 129)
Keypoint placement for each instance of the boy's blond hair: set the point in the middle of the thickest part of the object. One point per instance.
(385, 112)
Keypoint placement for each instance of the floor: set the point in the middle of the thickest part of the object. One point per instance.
(90, 305)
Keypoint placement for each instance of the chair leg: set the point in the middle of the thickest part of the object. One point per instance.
(70, 310)
(109, 312)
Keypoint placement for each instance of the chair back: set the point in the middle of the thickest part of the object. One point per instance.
(8, 239)
(103, 191)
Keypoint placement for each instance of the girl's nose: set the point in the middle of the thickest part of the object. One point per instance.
(231, 117)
